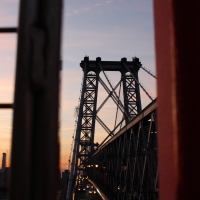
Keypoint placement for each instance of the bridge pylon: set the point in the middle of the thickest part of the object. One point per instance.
(130, 106)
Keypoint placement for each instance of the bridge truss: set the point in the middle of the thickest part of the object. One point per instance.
(126, 166)
(131, 176)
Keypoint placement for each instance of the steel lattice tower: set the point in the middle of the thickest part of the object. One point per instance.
(88, 102)
(84, 145)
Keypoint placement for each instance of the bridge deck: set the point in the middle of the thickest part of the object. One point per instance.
(146, 111)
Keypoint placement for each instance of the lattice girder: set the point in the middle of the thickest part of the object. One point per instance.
(88, 102)
(130, 162)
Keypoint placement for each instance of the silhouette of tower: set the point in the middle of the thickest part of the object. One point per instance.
(84, 145)
(3, 162)
(87, 117)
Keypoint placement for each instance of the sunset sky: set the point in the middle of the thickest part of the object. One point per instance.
(110, 29)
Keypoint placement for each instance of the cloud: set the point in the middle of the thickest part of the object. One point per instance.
(78, 11)
(87, 8)
(81, 10)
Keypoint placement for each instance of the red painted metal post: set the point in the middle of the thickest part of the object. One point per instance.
(177, 34)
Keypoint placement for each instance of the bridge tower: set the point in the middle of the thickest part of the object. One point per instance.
(88, 102)
(84, 145)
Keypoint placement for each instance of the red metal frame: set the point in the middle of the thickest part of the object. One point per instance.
(177, 34)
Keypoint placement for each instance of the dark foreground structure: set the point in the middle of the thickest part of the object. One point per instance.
(34, 170)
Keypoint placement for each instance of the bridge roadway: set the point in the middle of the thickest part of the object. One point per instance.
(85, 195)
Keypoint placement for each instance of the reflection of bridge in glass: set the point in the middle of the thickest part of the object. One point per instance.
(124, 165)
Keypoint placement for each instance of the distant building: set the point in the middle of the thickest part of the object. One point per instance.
(4, 182)
(64, 184)
(64, 178)
(3, 162)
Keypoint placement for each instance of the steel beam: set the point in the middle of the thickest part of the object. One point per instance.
(6, 105)
(126, 166)
(177, 33)
(8, 30)
(109, 65)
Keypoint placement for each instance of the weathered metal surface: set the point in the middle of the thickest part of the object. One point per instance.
(177, 33)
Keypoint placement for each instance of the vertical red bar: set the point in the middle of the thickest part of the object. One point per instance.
(177, 34)
(166, 146)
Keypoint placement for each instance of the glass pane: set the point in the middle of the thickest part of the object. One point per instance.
(7, 66)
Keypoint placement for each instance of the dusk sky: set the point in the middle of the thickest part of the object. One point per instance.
(110, 29)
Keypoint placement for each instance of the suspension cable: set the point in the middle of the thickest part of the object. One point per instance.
(120, 103)
(117, 106)
(148, 71)
(120, 123)
(114, 98)
(139, 83)
(111, 93)
(70, 155)
(75, 126)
